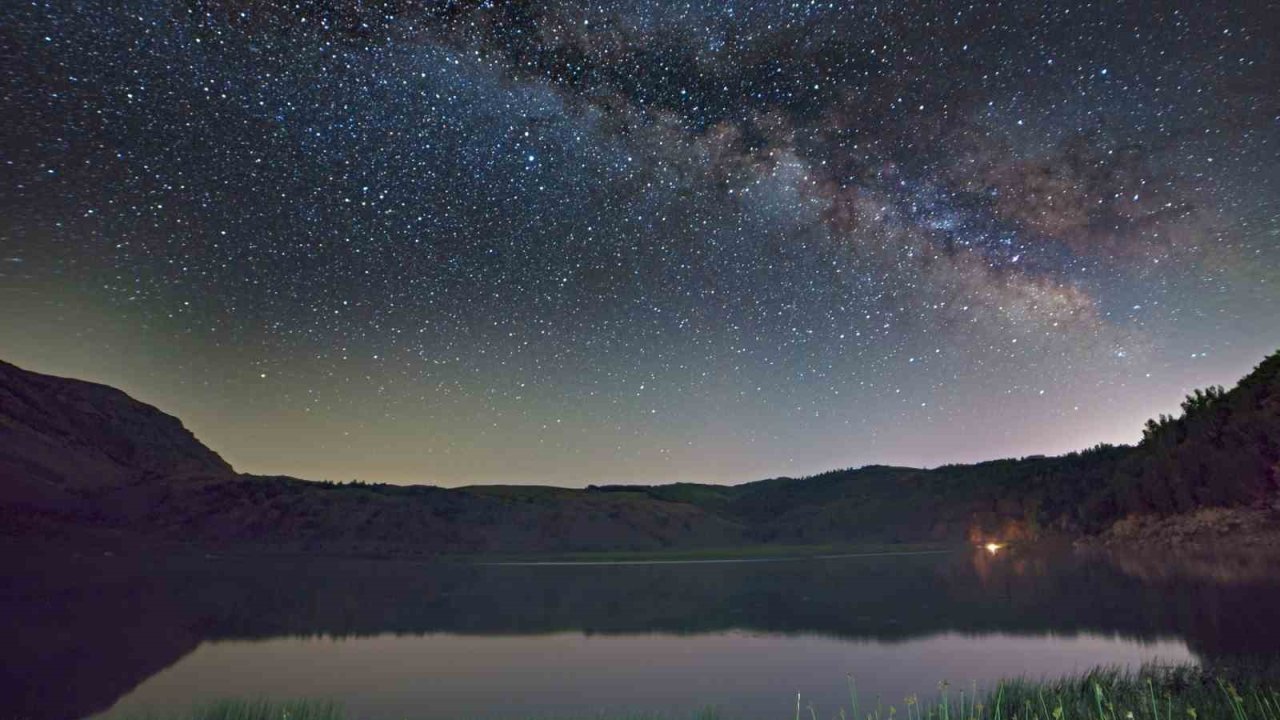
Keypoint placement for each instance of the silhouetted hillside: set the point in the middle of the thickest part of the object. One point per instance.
(80, 461)
(1223, 451)
(65, 442)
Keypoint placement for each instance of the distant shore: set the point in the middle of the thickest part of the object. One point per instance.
(744, 553)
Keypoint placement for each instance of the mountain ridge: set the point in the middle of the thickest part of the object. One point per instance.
(80, 460)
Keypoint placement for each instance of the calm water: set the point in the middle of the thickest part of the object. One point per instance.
(395, 639)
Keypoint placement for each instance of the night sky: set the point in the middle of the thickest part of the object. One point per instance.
(575, 243)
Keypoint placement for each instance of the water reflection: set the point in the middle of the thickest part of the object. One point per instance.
(101, 626)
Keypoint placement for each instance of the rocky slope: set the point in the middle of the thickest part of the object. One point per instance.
(1210, 528)
(61, 438)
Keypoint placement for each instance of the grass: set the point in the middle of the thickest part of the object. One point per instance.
(254, 710)
(1152, 693)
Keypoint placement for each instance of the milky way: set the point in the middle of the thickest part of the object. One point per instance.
(617, 242)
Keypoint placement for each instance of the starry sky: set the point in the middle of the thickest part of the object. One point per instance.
(571, 243)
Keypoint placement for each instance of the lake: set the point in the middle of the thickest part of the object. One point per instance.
(395, 639)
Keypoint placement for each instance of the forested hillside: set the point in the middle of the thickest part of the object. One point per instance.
(1222, 451)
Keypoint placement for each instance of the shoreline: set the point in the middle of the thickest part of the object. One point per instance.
(1202, 530)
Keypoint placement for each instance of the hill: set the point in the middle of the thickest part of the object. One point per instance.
(63, 443)
(81, 462)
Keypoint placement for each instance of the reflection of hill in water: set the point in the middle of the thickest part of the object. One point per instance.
(1242, 567)
(103, 625)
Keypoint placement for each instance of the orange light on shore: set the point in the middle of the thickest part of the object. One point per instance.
(993, 548)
